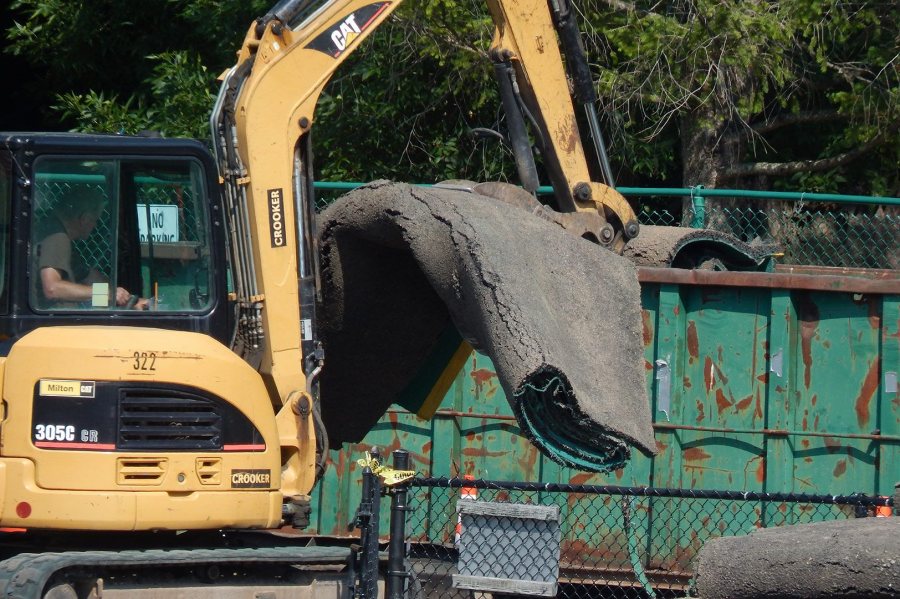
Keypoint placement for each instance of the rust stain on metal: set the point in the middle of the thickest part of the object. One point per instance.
(757, 411)
(580, 551)
(840, 468)
(676, 310)
(693, 342)
(686, 381)
(568, 137)
(582, 477)
(722, 402)
(481, 377)
(763, 378)
(874, 315)
(804, 443)
(528, 461)
(760, 468)
(482, 452)
(700, 415)
(804, 425)
(648, 366)
(660, 446)
(832, 444)
(808, 316)
(785, 277)
(695, 454)
(744, 403)
(814, 399)
(870, 385)
(647, 328)
(720, 374)
(708, 374)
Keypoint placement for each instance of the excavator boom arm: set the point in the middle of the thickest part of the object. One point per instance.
(261, 126)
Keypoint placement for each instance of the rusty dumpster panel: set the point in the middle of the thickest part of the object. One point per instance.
(782, 382)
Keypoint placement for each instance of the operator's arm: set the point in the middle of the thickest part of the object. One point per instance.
(57, 278)
(58, 289)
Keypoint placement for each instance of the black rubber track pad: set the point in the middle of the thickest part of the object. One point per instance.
(558, 316)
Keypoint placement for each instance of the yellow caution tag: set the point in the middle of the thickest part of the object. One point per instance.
(389, 476)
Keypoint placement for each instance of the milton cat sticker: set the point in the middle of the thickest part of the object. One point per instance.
(66, 414)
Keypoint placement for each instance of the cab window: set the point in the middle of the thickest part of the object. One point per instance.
(119, 234)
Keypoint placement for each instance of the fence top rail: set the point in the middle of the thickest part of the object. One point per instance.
(698, 191)
(855, 499)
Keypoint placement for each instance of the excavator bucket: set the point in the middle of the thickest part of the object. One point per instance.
(558, 315)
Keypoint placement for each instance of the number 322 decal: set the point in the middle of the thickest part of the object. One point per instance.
(144, 360)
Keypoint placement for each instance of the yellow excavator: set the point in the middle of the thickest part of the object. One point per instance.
(162, 361)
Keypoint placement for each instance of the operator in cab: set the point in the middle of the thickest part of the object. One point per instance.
(65, 279)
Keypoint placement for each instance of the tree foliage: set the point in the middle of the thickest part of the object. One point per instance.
(790, 94)
(755, 92)
(404, 106)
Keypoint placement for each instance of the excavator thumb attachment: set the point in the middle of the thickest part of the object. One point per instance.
(558, 316)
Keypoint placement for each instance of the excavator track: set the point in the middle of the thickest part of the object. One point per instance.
(34, 576)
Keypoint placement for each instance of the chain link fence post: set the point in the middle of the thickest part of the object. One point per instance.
(397, 564)
(698, 207)
(367, 521)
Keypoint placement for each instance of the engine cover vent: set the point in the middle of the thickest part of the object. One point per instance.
(138, 471)
(166, 420)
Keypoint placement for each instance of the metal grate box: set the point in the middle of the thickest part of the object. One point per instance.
(508, 548)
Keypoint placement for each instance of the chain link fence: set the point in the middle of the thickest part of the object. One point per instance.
(807, 232)
(615, 542)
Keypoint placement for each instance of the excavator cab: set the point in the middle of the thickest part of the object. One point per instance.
(111, 213)
(135, 399)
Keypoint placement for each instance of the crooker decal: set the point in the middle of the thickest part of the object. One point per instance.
(251, 479)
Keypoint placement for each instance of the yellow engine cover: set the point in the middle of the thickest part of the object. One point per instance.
(123, 428)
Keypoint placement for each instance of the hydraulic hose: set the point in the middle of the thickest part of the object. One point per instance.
(515, 122)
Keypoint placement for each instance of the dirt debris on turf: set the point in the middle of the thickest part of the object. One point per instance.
(681, 247)
(558, 316)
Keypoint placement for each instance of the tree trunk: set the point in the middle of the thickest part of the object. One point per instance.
(711, 147)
